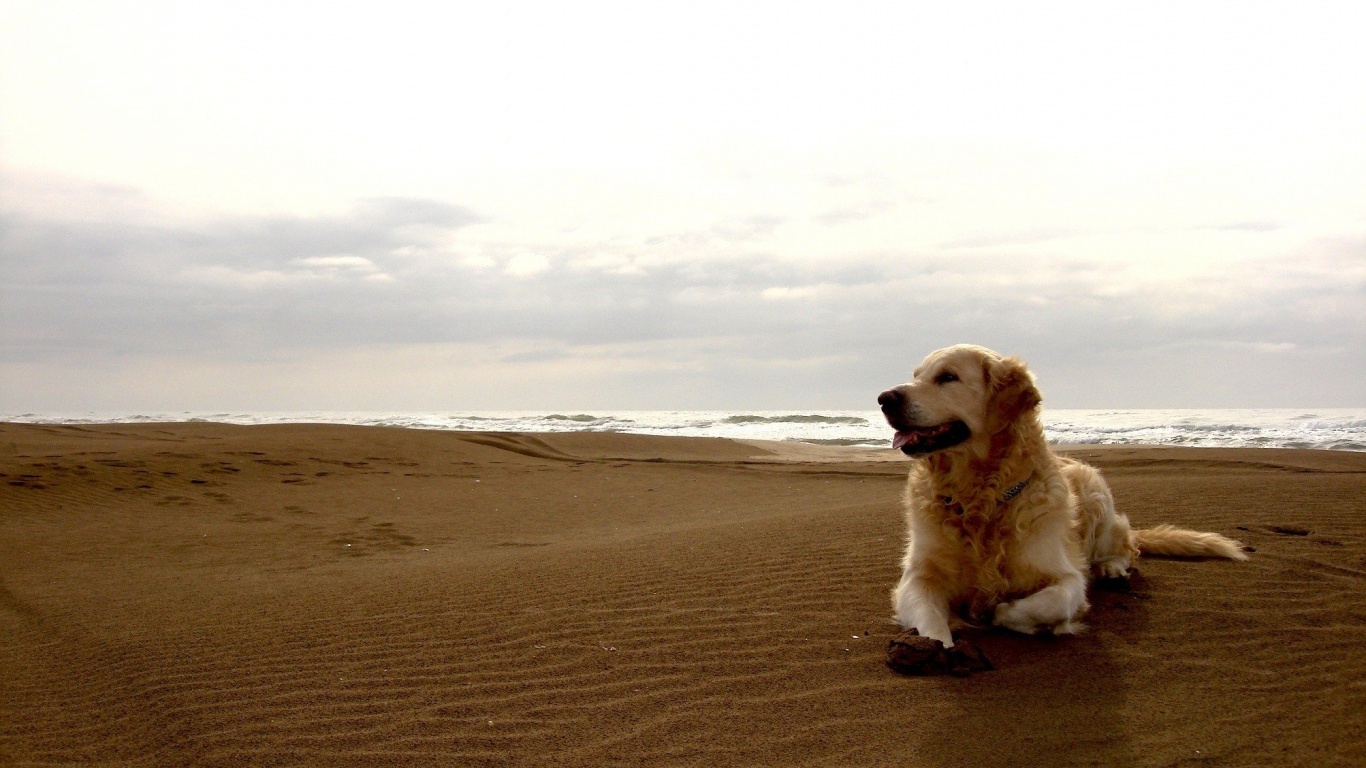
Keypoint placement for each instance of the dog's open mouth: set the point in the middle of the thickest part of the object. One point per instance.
(926, 439)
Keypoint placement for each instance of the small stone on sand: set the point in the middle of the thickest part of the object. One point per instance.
(910, 654)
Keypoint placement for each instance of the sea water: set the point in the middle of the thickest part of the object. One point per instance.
(1330, 428)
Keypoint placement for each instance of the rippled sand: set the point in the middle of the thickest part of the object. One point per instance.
(200, 594)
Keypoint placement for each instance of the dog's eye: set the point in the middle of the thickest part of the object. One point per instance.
(945, 377)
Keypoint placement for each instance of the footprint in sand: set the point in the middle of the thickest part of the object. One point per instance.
(1289, 530)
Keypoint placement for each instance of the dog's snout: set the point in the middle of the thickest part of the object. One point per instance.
(891, 401)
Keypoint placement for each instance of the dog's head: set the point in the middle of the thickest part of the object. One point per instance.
(958, 393)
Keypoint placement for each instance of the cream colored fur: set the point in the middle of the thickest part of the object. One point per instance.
(972, 557)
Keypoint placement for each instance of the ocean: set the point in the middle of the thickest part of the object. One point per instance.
(1342, 429)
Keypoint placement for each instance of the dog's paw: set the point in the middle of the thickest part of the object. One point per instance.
(911, 620)
(1114, 568)
(1018, 618)
(1013, 617)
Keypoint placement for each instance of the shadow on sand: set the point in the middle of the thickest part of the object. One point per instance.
(1051, 700)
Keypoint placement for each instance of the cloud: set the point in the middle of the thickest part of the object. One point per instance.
(351, 262)
(1009, 239)
(749, 228)
(406, 211)
(408, 274)
(536, 356)
(853, 214)
(526, 265)
(1246, 226)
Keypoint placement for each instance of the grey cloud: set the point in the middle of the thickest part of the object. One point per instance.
(126, 287)
(43, 249)
(404, 210)
(376, 227)
(536, 356)
(258, 288)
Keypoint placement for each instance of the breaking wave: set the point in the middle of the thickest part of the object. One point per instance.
(1328, 429)
(747, 418)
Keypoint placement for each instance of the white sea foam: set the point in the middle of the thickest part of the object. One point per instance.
(1334, 429)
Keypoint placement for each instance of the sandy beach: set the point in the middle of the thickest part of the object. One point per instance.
(213, 595)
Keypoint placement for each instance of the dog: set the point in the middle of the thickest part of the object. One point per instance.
(1000, 529)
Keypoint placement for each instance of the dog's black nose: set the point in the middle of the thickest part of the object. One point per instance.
(891, 400)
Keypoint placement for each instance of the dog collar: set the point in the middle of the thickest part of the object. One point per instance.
(1011, 493)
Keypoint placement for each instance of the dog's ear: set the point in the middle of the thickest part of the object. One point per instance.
(1011, 392)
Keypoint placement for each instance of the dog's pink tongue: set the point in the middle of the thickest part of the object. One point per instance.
(901, 439)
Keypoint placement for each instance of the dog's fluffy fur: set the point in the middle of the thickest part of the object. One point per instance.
(975, 552)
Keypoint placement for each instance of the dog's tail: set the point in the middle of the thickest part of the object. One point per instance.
(1178, 542)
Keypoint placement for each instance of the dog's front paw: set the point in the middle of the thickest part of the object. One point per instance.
(1114, 568)
(1012, 616)
(1019, 617)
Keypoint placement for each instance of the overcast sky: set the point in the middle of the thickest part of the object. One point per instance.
(542, 206)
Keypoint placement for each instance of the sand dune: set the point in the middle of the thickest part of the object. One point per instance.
(200, 594)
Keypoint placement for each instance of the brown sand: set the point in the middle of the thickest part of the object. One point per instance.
(199, 594)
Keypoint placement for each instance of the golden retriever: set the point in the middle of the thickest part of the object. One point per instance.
(1001, 530)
